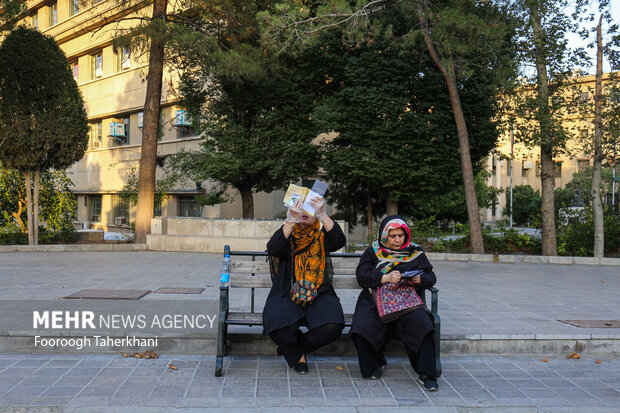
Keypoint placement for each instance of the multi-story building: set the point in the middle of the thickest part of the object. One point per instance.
(113, 84)
(526, 161)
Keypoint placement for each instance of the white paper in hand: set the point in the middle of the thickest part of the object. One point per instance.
(318, 189)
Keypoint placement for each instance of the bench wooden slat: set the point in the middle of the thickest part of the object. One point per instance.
(257, 318)
(264, 281)
(258, 267)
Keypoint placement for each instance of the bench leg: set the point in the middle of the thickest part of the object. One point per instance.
(437, 345)
(222, 332)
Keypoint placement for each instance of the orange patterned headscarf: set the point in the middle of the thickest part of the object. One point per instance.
(309, 253)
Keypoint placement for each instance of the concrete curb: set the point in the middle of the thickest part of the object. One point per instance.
(73, 247)
(522, 259)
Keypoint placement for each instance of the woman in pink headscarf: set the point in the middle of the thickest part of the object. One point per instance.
(392, 255)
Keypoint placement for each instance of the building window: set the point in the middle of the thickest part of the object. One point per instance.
(75, 69)
(525, 169)
(35, 21)
(95, 135)
(185, 132)
(96, 65)
(94, 208)
(582, 164)
(537, 169)
(118, 138)
(121, 210)
(188, 207)
(122, 59)
(557, 170)
(53, 14)
(74, 7)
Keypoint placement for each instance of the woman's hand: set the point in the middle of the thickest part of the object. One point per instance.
(392, 277)
(318, 203)
(294, 212)
(417, 280)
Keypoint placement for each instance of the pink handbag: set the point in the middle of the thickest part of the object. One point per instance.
(395, 300)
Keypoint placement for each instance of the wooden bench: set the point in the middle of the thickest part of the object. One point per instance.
(255, 274)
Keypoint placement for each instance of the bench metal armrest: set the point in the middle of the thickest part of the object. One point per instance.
(434, 301)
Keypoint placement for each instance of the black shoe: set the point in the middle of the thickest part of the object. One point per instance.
(429, 383)
(301, 367)
(378, 373)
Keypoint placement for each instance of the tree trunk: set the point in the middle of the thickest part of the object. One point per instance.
(369, 217)
(547, 175)
(597, 205)
(35, 206)
(18, 217)
(475, 234)
(247, 201)
(27, 175)
(391, 206)
(148, 156)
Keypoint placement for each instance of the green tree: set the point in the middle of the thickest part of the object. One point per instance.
(57, 201)
(525, 204)
(253, 109)
(458, 35)
(43, 123)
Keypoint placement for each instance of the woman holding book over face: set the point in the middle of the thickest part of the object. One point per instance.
(302, 293)
(389, 273)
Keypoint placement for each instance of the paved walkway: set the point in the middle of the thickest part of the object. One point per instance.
(252, 381)
(474, 298)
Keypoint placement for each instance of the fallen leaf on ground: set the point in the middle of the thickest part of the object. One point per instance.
(148, 354)
(603, 281)
(574, 355)
(598, 361)
(545, 360)
(172, 366)
(339, 368)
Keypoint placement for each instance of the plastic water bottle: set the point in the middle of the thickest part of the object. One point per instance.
(225, 275)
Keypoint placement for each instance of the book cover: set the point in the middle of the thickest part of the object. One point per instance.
(293, 193)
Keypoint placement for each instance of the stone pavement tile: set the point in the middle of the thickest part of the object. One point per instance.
(550, 402)
(67, 380)
(299, 382)
(163, 401)
(171, 391)
(464, 383)
(18, 371)
(448, 401)
(407, 393)
(52, 401)
(172, 380)
(544, 374)
(243, 382)
(588, 383)
(62, 391)
(445, 391)
(558, 383)
(539, 393)
(272, 383)
(378, 401)
(413, 402)
(514, 374)
(150, 371)
(5, 362)
(62, 362)
(123, 362)
(202, 391)
(408, 382)
(89, 401)
(572, 374)
(374, 392)
(17, 400)
(267, 374)
(51, 371)
(342, 401)
(305, 392)
(395, 373)
(473, 393)
(237, 392)
(604, 393)
(152, 363)
(24, 391)
(84, 371)
(346, 393)
(573, 394)
(133, 391)
(527, 383)
(94, 362)
(496, 383)
(457, 374)
(507, 393)
(38, 381)
(201, 402)
(334, 373)
(615, 383)
(140, 381)
(329, 382)
(308, 402)
(480, 374)
(97, 391)
(587, 402)
(611, 402)
(106, 381)
(272, 392)
(116, 371)
(367, 383)
(514, 402)
(243, 364)
(30, 362)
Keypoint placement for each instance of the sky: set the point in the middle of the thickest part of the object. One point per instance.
(576, 40)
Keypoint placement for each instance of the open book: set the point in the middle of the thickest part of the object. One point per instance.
(295, 192)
